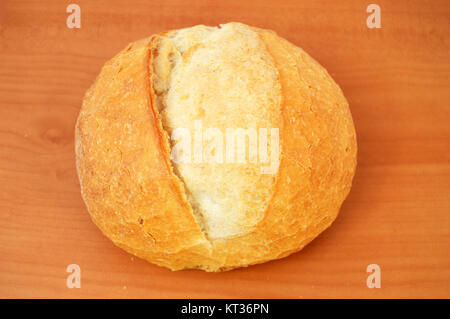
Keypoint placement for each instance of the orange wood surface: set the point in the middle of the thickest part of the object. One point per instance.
(396, 80)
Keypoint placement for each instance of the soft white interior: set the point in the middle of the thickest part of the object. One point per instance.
(224, 78)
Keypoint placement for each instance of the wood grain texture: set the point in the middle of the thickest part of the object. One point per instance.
(396, 80)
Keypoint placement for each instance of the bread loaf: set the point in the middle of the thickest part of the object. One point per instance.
(214, 148)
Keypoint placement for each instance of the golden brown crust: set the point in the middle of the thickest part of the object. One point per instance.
(125, 176)
(136, 199)
(318, 160)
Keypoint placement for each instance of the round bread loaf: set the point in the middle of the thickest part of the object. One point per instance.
(214, 148)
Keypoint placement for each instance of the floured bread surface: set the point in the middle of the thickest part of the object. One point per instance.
(208, 79)
(165, 204)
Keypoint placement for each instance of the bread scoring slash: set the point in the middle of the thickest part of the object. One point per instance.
(213, 215)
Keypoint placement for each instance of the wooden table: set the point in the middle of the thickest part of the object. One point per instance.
(395, 78)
